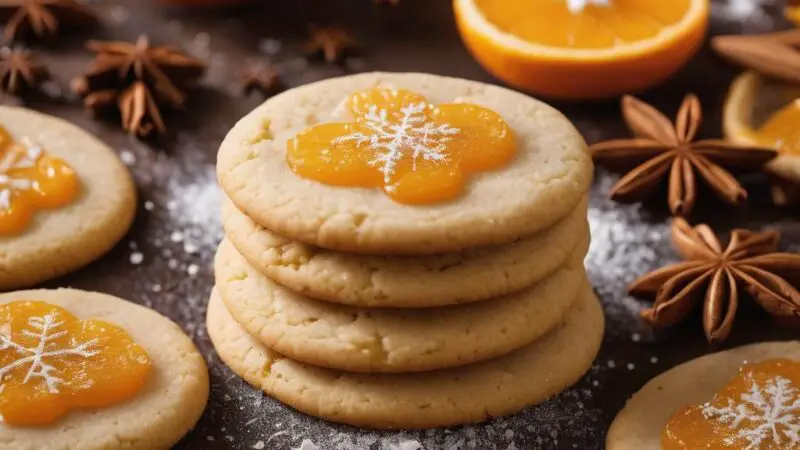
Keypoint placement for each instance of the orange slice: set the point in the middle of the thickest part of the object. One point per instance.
(595, 51)
(763, 112)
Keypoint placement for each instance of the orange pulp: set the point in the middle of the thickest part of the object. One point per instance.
(781, 129)
(551, 23)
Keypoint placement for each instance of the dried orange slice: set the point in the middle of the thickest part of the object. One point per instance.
(763, 112)
(582, 49)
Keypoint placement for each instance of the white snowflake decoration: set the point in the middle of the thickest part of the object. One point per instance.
(576, 6)
(411, 133)
(44, 331)
(12, 160)
(765, 415)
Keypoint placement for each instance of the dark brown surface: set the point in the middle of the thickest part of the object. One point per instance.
(178, 207)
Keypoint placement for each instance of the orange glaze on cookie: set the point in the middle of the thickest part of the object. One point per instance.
(51, 362)
(30, 180)
(416, 152)
(759, 409)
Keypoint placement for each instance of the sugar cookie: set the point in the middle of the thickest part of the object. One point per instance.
(546, 178)
(406, 340)
(168, 405)
(639, 425)
(406, 281)
(59, 235)
(468, 394)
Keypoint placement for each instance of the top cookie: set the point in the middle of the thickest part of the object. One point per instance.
(549, 173)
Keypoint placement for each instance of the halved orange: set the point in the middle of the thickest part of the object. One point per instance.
(597, 52)
(759, 111)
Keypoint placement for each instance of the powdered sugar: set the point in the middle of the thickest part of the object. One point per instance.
(746, 15)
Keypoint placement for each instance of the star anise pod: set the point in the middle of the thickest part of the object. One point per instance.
(132, 75)
(44, 17)
(20, 70)
(776, 55)
(140, 114)
(260, 77)
(716, 275)
(664, 149)
(333, 43)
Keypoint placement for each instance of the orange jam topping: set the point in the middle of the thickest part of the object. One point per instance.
(757, 410)
(781, 130)
(416, 152)
(30, 180)
(51, 362)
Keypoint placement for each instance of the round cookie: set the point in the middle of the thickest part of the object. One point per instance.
(443, 398)
(167, 407)
(548, 177)
(64, 239)
(375, 340)
(639, 424)
(406, 281)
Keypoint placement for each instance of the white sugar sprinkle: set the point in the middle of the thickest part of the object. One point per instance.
(636, 337)
(193, 269)
(631, 366)
(176, 236)
(148, 205)
(653, 360)
(307, 445)
(156, 288)
(611, 364)
(119, 14)
(137, 258)
(270, 47)
(258, 445)
(127, 157)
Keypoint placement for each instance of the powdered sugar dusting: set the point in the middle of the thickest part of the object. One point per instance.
(746, 15)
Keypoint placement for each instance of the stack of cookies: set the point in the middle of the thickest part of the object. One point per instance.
(446, 290)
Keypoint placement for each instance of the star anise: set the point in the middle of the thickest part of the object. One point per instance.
(20, 70)
(666, 149)
(260, 77)
(333, 43)
(776, 55)
(137, 78)
(44, 17)
(750, 261)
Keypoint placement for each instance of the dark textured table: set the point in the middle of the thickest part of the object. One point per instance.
(165, 261)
